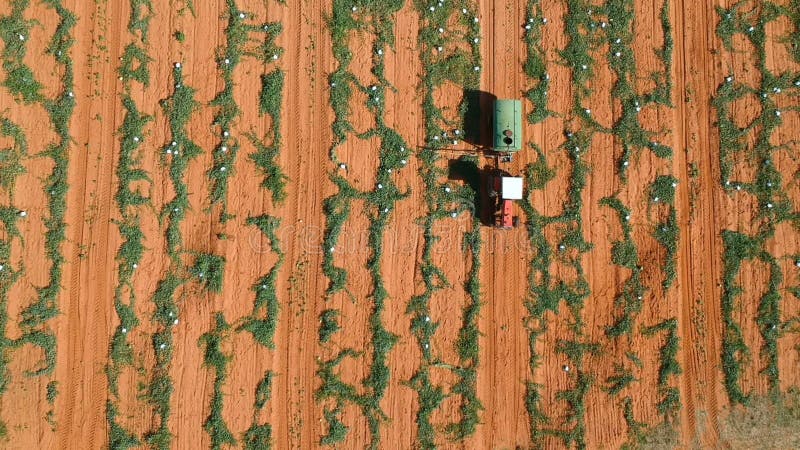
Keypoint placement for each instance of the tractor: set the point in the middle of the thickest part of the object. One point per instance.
(502, 190)
(501, 187)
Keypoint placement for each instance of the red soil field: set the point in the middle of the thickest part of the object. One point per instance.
(87, 321)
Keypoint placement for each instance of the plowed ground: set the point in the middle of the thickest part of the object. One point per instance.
(88, 320)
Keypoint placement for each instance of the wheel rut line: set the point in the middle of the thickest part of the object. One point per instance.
(708, 239)
(75, 346)
(689, 376)
(308, 337)
(488, 257)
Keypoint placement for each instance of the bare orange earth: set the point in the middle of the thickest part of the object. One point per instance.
(88, 319)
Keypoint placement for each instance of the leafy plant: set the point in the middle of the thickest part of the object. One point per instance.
(755, 143)
(178, 109)
(266, 303)
(670, 402)
(215, 358)
(329, 325)
(209, 271)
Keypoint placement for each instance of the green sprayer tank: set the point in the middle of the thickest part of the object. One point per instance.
(507, 126)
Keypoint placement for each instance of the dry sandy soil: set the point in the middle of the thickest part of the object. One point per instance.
(88, 320)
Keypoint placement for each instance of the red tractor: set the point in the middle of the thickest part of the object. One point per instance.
(503, 189)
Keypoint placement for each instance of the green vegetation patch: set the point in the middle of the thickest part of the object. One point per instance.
(15, 31)
(667, 233)
(238, 33)
(263, 321)
(329, 324)
(139, 20)
(134, 64)
(209, 271)
(59, 110)
(754, 142)
(129, 200)
(130, 252)
(670, 396)
(11, 158)
(177, 153)
(535, 66)
(443, 63)
(216, 359)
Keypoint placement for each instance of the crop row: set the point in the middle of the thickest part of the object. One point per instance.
(259, 436)
(588, 28)
(535, 66)
(633, 137)
(177, 154)
(23, 86)
(207, 270)
(376, 19)
(444, 62)
(130, 201)
(215, 357)
(238, 36)
(618, 19)
(243, 39)
(630, 134)
(60, 112)
(774, 206)
(263, 320)
(10, 170)
(625, 254)
(545, 292)
(670, 402)
(666, 233)
(628, 130)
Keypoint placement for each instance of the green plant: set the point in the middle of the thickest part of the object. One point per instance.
(15, 32)
(215, 358)
(535, 65)
(209, 270)
(59, 110)
(119, 438)
(754, 143)
(670, 396)
(274, 177)
(228, 58)
(620, 380)
(141, 13)
(459, 64)
(8, 277)
(179, 150)
(337, 431)
(263, 328)
(133, 67)
(329, 324)
(134, 64)
(132, 248)
(11, 158)
(379, 202)
(636, 429)
(52, 391)
(332, 387)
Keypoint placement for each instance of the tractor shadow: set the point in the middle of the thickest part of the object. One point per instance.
(478, 118)
(467, 169)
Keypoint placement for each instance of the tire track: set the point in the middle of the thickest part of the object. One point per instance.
(487, 376)
(689, 377)
(298, 426)
(86, 385)
(701, 362)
